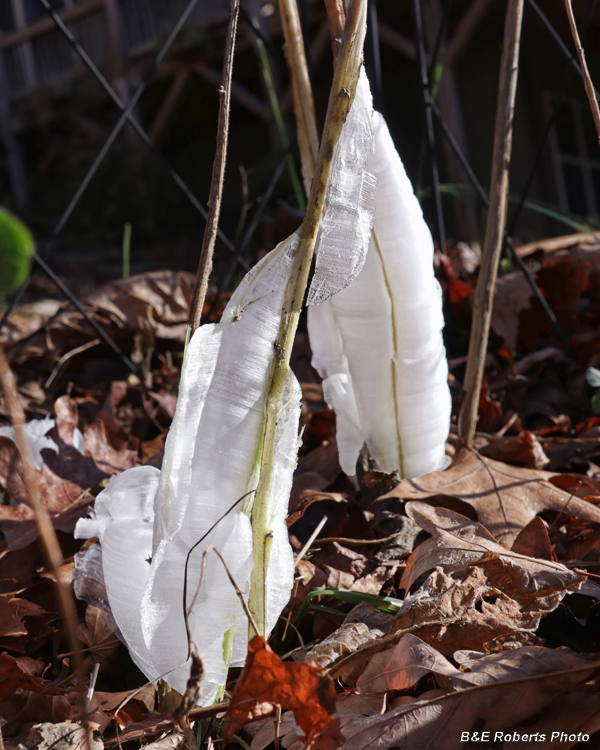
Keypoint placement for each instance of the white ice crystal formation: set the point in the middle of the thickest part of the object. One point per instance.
(378, 343)
(147, 520)
(36, 431)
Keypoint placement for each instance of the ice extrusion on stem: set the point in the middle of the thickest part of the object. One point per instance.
(378, 343)
(147, 520)
(36, 430)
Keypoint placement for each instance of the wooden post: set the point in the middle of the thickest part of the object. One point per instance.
(484, 295)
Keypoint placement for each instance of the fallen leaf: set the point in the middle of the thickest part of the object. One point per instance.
(523, 449)
(517, 685)
(103, 707)
(65, 736)
(152, 725)
(111, 454)
(572, 714)
(323, 460)
(266, 681)
(99, 628)
(15, 674)
(466, 610)
(327, 501)
(346, 639)
(12, 612)
(534, 541)
(456, 542)
(504, 498)
(402, 666)
(156, 302)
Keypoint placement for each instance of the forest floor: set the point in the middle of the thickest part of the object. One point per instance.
(443, 608)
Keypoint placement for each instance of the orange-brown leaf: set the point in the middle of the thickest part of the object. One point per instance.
(266, 681)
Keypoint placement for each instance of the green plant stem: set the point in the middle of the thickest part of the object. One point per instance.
(341, 97)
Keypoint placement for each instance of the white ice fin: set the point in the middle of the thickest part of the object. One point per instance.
(346, 227)
(213, 453)
(389, 322)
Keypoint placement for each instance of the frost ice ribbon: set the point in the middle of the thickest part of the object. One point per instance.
(378, 343)
(147, 520)
(36, 431)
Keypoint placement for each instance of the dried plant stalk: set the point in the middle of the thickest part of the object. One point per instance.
(496, 221)
(341, 97)
(335, 16)
(304, 110)
(218, 174)
(45, 528)
(589, 86)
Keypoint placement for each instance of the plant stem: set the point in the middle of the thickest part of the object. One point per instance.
(304, 108)
(218, 173)
(340, 100)
(46, 530)
(335, 16)
(496, 220)
(589, 86)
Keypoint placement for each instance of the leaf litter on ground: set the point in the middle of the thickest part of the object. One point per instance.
(486, 552)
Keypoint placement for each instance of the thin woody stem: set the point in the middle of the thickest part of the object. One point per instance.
(589, 86)
(496, 221)
(304, 109)
(340, 100)
(335, 16)
(218, 174)
(46, 530)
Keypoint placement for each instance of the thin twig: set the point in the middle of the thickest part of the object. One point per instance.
(347, 540)
(311, 539)
(304, 110)
(218, 174)
(187, 563)
(336, 18)
(494, 233)
(238, 591)
(207, 711)
(46, 530)
(589, 86)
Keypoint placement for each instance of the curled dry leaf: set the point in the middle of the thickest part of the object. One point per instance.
(12, 612)
(16, 676)
(66, 476)
(346, 639)
(456, 542)
(523, 449)
(516, 685)
(465, 610)
(65, 736)
(266, 681)
(156, 303)
(504, 498)
(403, 665)
(477, 593)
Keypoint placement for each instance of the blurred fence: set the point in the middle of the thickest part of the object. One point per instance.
(37, 52)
